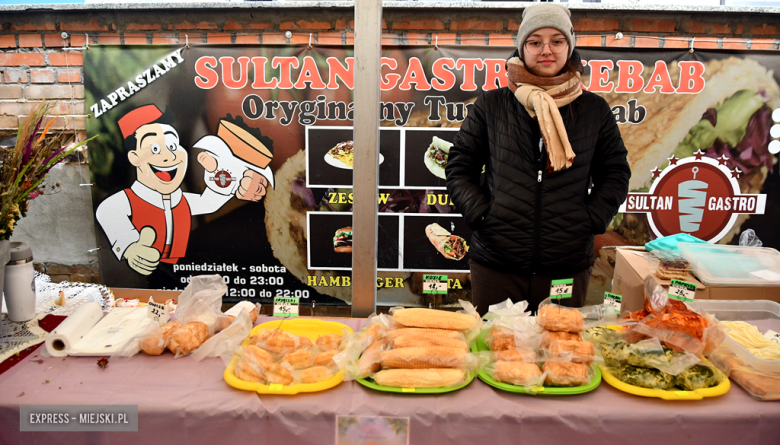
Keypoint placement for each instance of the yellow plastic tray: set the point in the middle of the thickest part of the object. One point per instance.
(302, 327)
(667, 394)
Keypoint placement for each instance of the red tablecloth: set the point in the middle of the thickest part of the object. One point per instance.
(181, 401)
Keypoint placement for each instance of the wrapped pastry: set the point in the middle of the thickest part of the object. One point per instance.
(223, 322)
(578, 351)
(515, 355)
(436, 319)
(304, 342)
(499, 340)
(253, 354)
(371, 334)
(565, 374)
(558, 318)
(300, 359)
(369, 361)
(395, 333)
(188, 338)
(276, 341)
(325, 358)
(275, 373)
(697, 377)
(644, 377)
(549, 336)
(328, 342)
(408, 341)
(424, 357)
(248, 373)
(420, 378)
(316, 374)
(517, 373)
(156, 344)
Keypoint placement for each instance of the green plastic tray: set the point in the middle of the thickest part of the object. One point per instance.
(480, 345)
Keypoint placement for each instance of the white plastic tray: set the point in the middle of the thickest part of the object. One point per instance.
(762, 313)
(721, 265)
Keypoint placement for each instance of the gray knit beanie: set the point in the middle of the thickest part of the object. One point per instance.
(545, 15)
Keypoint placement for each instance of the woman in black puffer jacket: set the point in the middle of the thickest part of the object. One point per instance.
(542, 199)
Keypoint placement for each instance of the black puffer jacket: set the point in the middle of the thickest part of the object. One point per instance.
(525, 219)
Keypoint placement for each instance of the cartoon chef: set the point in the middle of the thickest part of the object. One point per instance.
(149, 222)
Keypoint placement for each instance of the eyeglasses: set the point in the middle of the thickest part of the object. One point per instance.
(556, 46)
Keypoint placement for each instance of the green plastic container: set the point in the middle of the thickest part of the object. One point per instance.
(480, 345)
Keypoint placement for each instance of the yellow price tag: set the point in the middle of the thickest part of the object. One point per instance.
(681, 393)
(538, 389)
(407, 389)
(276, 387)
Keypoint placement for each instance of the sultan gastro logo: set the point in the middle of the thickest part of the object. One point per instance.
(696, 195)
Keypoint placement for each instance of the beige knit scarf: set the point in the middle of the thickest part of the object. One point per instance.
(541, 97)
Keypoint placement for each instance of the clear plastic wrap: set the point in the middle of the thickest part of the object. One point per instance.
(670, 265)
(421, 378)
(527, 375)
(503, 339)
(553, 317)
(566, 373)
(467, 320)
(681, 329)
(201, 301)
(644, 377)
(761, 385)
(571, 350)
(750, 239)
(187, 338)
(697, 377)
(226, 342)
(279, 343)
(427, 357)
(651, 354)
(549, 336)
(516, 355)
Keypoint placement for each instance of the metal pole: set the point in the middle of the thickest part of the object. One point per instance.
(368, 47)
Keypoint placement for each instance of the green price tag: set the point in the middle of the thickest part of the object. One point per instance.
(285, 307)
(560, 289)
(435, 284)
(682, 290)
(613, 300)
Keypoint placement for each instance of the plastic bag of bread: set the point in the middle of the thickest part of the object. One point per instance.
(278, 342)
(566, 374)
(427, 357)
(395, 333)
(201, 301)
(553, 317)
(329, 342)
(187, 338)
(504, 339)
(419, 340)
(509, 316)
(467, 320)
(571, 350)
(315, 374)
(250, 372)
(761, 385)
(527, 375)
(252, 310)
(550, 336)
(421, 378)
(157, 344)
(516, 355)
(227, 341)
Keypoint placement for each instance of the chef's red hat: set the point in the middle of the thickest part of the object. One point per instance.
(135, 119)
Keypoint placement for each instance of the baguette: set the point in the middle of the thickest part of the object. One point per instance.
(420, 378)
(432, 318)
(395, 333)
(424, 357)
(409, 341)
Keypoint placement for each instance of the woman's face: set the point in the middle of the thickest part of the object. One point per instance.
(545, 41)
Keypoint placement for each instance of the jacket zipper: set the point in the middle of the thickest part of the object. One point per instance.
(538, 209)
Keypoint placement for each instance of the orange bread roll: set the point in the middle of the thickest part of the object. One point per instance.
(499, 340)
(278, 374)
(300, 359)
(325, 358)
(328, 342)
(253, 354)
(565, 374)
(316, 374)
(248, 373)
(156, 344)
(580, 352)
(517, 373)
(556, 318)
(549, 336)
(188, 337)
(515, 355)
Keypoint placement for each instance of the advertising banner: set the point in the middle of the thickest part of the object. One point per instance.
(237, 160)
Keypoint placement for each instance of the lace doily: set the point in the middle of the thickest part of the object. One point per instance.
(76, 294)
(18, 336)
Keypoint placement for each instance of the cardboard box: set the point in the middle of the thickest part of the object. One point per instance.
(633, 264)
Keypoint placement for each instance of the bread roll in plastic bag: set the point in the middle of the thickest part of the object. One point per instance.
(527, 375)
(421, 378)
(426, 357)
(566, 374)
(187, 338)
(227, 341)
(571, 350)
(553, 317)
(201, 301)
